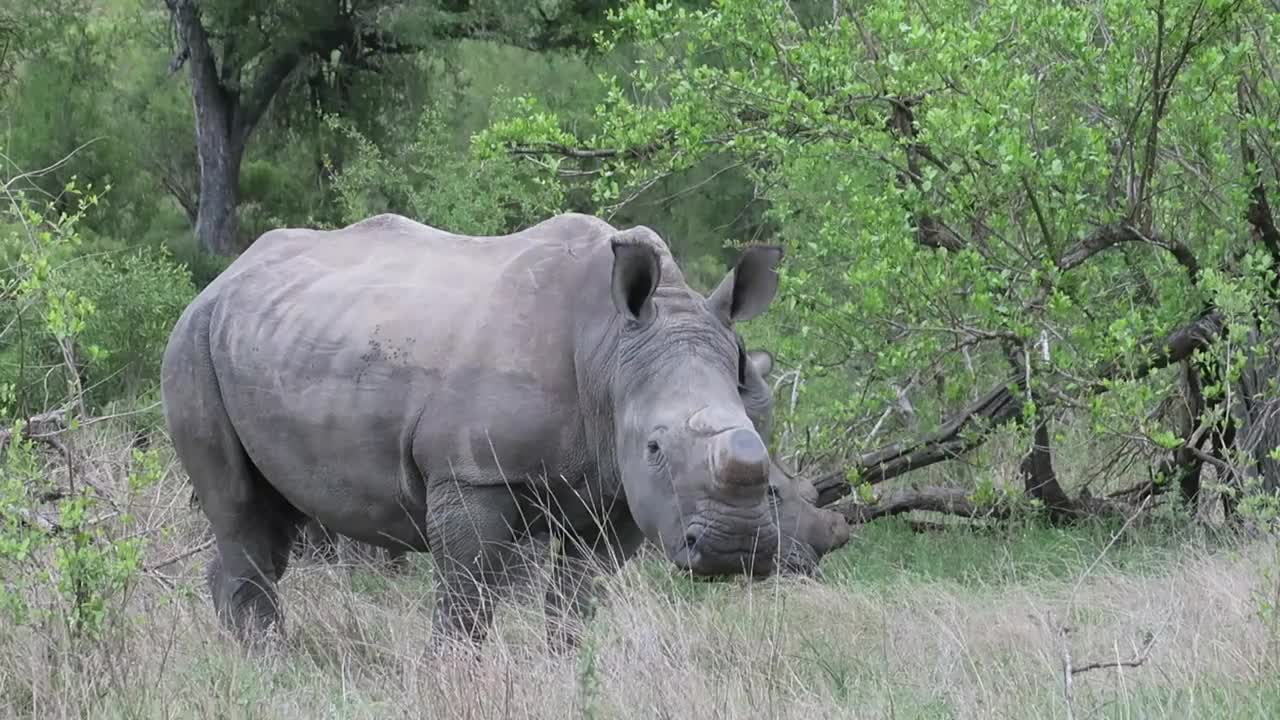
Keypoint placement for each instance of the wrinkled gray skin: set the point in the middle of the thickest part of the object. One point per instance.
(415, 389)
(806, 532)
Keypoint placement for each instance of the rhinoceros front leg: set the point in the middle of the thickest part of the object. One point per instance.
(472, 534)
(571, 597)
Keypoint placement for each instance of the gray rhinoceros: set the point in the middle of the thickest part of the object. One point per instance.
(412, 388)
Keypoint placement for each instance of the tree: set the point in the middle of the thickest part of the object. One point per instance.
(999, 217)
(241, 55)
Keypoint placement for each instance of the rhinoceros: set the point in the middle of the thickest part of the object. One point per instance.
(413, 388)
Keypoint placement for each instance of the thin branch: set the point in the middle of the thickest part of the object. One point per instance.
(1116, 664)
(180, 556)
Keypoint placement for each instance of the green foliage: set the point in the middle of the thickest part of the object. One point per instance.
(61, 568)
(435, 183)
(137, 298)
(964, 192)
(81, 326)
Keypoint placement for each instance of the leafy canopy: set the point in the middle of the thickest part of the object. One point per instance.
(965, 190)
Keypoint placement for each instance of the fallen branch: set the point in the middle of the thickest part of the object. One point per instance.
(1110, 664)
(949, 501)
(43, 428)
(34, 521)
(38, 427)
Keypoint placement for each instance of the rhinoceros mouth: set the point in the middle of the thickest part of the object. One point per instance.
(709, 552)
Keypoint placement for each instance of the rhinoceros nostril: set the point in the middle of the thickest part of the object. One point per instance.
(691, 539)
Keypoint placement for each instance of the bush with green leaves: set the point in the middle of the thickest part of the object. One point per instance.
(137, 297)
(64, 566)
(430, 180)
(1068, 200)
(81, 325)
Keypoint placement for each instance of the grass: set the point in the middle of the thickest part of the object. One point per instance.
(955, 624)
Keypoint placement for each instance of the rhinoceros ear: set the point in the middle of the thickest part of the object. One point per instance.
(762, 360)
(749, 287)
(636, 272)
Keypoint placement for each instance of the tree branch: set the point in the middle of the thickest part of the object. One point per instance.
(1109, 236)
(256, 101)
(948, 501)
(971, 427)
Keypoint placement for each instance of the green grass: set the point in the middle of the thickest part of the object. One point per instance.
(890, 553)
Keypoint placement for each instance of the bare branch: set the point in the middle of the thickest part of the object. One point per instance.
(1109, 236)
(949, 501)
(180, 556)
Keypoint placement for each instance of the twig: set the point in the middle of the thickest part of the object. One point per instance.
(1137, 662)
(181, 556)
(1067, 673)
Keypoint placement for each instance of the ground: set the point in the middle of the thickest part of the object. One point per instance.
(953, 623)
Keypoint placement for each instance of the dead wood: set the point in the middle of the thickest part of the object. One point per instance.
(948, 501)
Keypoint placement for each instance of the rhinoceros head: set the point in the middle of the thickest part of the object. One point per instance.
(806, 531)
(692, 461)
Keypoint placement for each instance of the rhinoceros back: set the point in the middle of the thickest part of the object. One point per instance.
(357, 365)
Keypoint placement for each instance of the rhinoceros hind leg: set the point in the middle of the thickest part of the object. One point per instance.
(253, 554)
(253, 525)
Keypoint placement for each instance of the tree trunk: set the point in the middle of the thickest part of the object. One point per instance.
(1192, 465)
(220, 136)
(1257, 415)
(1185, 463)
(1039, 479)
(226, 112)
(221, 152)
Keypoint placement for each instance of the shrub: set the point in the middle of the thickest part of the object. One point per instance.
(80, 326)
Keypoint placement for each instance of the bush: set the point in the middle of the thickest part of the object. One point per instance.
(137, 299)
(65, 571)
(431, 181)
(80, 326)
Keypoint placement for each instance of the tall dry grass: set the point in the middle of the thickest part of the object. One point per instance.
(660, 647)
